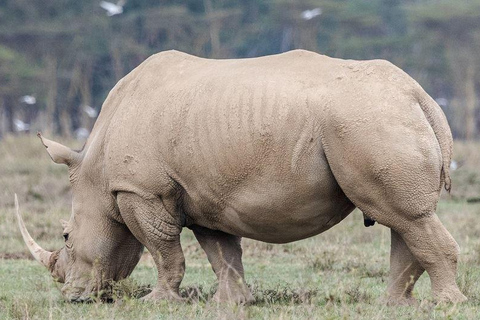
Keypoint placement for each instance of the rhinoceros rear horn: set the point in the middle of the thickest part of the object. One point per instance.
(40, 254)
(60, 153)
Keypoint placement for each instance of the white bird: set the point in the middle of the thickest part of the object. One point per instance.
(81, 133)
(442, 102)
(112, 8)
(20, 125)
(91, 112)
(454, 165)
(28, 99)
(310, 14)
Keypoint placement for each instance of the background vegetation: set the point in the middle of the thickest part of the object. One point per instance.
(69, 54)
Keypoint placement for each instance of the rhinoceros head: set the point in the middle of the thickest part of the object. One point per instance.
(98, 248)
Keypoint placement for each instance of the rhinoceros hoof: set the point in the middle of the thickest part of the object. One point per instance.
(401, 301)
(233, 296)
(450, 296)
(161, 295)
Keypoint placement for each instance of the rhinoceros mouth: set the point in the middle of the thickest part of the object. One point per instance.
(77, 295)
(87, 295)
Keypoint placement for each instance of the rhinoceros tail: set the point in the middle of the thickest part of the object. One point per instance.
(437, 120)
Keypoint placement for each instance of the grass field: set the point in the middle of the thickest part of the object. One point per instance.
(340, 274)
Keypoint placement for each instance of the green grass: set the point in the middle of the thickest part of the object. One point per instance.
(340, 274)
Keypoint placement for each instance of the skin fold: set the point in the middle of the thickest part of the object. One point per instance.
(276, 148)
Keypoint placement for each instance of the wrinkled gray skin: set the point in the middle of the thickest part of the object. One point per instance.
(276, 149)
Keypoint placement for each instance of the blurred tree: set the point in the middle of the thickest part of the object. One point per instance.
(69, 54)
(454, 26)
(16, 74)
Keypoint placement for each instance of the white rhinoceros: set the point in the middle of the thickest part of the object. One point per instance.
(276, 149)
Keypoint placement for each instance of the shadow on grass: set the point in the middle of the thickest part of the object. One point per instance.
(128, 289)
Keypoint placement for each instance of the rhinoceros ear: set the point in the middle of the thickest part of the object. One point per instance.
(59, 153)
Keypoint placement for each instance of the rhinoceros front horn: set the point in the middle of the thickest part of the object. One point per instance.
(40, 254)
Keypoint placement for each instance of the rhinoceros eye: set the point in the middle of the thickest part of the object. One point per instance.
(65, 236)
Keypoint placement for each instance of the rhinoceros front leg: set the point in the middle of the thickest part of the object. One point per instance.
(404, 272)
(159, 232)
(224, 252)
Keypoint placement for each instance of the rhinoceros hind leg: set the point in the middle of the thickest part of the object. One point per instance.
(437, 252)
(224, 252)
(404, 272)
(157, 230)
(395, 179)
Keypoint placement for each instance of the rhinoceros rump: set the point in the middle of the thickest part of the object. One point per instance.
(276, 149)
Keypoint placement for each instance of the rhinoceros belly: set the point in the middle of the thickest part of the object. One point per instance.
(259, 221)
(275, 204)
